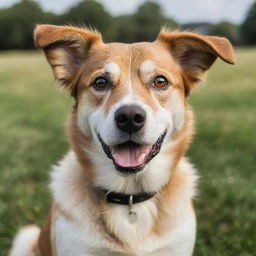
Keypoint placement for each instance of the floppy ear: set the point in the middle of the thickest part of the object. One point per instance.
(196, 53)
(65, 48)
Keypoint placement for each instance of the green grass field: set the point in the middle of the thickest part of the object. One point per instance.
(32, 137)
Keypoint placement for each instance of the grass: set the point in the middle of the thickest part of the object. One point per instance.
(32, 136)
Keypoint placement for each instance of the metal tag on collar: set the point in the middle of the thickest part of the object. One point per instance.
(132, 213)
(106, 196)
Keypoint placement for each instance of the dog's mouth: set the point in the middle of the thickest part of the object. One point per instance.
(131, 157)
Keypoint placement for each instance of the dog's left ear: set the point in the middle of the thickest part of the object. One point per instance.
(196, 53)
(66, 49)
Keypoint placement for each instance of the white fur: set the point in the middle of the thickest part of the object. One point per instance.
(147, 66)
(155, 126)
(113, 70)
(176, 107)
(129, 78)
(149, 180)
(84, 237)
(25, 241)
(156, 123)
(85, 110)
(95, 122)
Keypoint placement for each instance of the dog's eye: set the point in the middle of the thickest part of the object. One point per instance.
(160, 82)
(100, 83)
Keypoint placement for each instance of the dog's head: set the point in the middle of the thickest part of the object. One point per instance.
(130, 98)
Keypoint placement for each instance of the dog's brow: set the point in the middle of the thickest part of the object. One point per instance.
(147, 66)
(112, 68)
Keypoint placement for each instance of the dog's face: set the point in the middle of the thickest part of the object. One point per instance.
(130, 98)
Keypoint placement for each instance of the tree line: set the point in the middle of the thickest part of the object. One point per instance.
(17, 23)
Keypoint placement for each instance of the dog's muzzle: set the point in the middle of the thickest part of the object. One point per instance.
(131, 157)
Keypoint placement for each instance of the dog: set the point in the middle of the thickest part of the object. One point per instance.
(125, 187)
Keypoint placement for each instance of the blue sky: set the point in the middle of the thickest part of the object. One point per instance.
(181, 10)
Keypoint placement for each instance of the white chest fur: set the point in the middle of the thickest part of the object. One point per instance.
(83, 234)
(79, 240)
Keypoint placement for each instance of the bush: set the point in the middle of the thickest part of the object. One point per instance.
(248, 28)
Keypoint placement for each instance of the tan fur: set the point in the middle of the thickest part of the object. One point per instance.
(44, 246)
(219, 46)
(65, 49)
(78, 142)
(204, 50)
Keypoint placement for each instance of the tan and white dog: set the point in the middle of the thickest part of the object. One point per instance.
(125, 187)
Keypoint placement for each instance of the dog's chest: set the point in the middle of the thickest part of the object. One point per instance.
(89, 240)
(106, 230)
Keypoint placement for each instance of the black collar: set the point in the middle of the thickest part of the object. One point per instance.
(125, 199)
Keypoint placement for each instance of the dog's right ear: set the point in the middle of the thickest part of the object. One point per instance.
(65, 48)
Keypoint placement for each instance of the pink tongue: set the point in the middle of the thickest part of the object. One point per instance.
(130, 156)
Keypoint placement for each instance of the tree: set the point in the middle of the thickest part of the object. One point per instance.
(17, 24)
(18, 21)
(149, 18)
(248, 27)
(52, 18)
(227, 29)
(125, 29)
(92, 14)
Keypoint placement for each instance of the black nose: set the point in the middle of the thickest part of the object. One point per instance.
(130, 118)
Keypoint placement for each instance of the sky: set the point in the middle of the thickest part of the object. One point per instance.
(183, 11)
